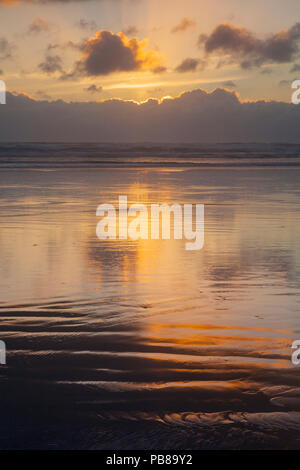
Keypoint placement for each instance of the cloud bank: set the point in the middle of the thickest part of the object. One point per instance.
(195, 116)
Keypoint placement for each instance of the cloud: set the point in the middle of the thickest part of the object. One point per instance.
(130, 31)
(65, 45)
(229, 84)
(6, 49)
(159, 69)
(190, 65)
(295, 68)
(106, 53)
(94, 89)
(38, 25)
(285, 83)
(86, 25)
(51, 64)
(195, 116)
(184, 25)
(241, 46)
(266, 71)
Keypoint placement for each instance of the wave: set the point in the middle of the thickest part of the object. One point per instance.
(44, 155)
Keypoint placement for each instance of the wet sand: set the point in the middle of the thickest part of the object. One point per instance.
(141, 344)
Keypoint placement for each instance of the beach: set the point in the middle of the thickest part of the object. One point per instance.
(141, 344)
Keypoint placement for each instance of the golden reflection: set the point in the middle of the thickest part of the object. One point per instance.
(180, 304)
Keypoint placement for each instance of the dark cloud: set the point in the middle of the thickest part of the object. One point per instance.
(184, 25)
(87, 25)
(38, 25)
(130, 31)
(190, 65)
(65, 45)
(94, 89)
(195, 116)
(6, 49)
(51, 64)
(285, 83)
(107, 52)
(295, 68)
(159, 69)
(239, 45)
(266, 71)
(229, 84)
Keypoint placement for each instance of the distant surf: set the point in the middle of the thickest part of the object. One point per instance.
(45, 155)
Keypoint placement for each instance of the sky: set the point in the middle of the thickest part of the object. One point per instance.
(94, 50)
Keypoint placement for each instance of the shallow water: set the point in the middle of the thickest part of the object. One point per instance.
(142, 344)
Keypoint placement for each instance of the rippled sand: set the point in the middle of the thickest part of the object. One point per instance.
(123, 345)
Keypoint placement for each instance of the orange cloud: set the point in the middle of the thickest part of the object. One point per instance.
(107, 52)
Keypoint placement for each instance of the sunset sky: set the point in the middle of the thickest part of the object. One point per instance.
(91, 50)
